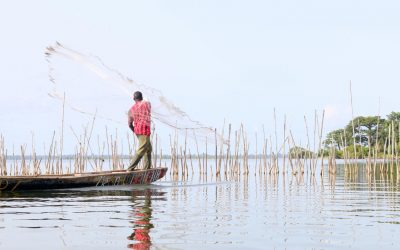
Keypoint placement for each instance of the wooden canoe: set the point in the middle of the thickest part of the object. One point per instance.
(90, 179)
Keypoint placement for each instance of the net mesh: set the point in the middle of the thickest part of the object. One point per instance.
(93, 88)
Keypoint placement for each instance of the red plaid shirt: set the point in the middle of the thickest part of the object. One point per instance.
(140, 115)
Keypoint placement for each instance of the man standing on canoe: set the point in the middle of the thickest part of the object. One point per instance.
(139, 119)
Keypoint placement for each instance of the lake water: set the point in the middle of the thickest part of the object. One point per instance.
(254, 212)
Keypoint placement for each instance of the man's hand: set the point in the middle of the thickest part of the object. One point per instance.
(132, 128)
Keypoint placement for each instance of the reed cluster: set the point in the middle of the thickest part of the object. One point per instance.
(233, 158)
(372, 143)
(219, 157)
(3, 157)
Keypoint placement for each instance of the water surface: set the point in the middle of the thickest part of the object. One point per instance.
(253, 212)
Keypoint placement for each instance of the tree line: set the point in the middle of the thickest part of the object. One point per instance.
(369, 134)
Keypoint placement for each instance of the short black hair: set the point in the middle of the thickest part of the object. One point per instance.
(137, 96)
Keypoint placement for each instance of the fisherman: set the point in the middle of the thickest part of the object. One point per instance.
(139, 118)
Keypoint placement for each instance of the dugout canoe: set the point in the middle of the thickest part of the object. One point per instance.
(90, 179)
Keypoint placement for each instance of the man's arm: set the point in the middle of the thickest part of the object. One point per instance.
(130, 121)
(149, 109)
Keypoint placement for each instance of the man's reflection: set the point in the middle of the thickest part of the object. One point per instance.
(142, 218)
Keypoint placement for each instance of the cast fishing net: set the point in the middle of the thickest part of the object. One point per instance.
(92, 88)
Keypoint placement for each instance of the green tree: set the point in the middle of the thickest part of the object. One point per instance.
(336, 138)
(393, 119)
(394, 116)
(361, 151)
(368, 131)
(299, 152)
(365, 129)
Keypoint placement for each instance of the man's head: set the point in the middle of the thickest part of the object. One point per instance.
(137, 96)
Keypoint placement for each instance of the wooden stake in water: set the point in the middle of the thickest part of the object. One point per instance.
(206, 159)
(320, 139)
(308, 145)
(228, 151)
(216, 153)
(397, 152)
(392, 146)
(191, 162)
(221, 151)
(276, 141)
(62, 133)
(377, 134)
(352, 124)
(155, 154)
(197, 150)
(3, 157)
(255, 166)
(284, 143)
(23, 162)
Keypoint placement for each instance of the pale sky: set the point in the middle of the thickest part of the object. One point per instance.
(219, 59)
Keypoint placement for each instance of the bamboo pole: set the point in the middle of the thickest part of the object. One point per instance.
(256, 156)
(233, 161)
(228, 151)
(35, 162)
(389, 146)
(271, 164)
(276, 140)
(308, 146)
(245, 151)
(294, 170)
(15, 162)
(237, 164)
(3, 157)
(221, 150)
(352, 123)
(392, 146)
(265, 156)
(181, 160)
(206, 160)
(315, 142)
(260, 165)
(290, 157)
(48, 161)
(369, 156)
(377, 135)
(176, 142)
(155, 154)
(62, 132)
(198, 153)
(265, 151)
(284, 143)
(23, 162)
(191, 162)
(185, 156)
(172, 153)
(320, 140)
(384, 155)
(217, 172)
(108, 149)
(397, 153)
(360, 141)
